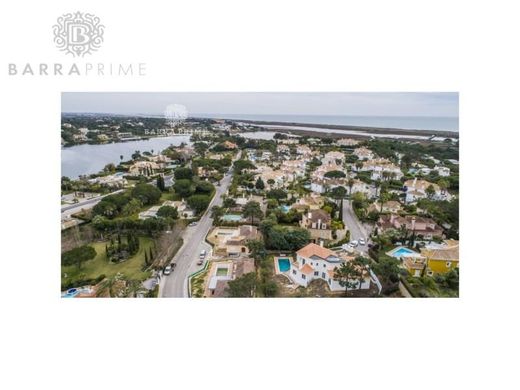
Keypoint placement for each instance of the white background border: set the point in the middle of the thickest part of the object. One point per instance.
(468, 47)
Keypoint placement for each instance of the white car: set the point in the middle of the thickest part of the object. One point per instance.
(353, 244)
(192, 224)
(202, 254)
(362, 241)
(168, 270)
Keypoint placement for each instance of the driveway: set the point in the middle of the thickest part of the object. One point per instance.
(176, 284)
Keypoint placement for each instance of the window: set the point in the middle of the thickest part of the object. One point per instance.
(323, 265)
(329, 281)
(294, 272)
(303, 276)
(316, 273)
(323, 275)
(303, 261)
(429, 273)
(448, 264)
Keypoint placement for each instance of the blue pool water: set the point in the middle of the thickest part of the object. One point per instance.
(232, 217)
(284, 265)
(285, 208)
(402, 252)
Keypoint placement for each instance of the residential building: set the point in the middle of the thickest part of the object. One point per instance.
(424, 227)
(232, 242)
(316, 262)
(441, 258)
(334, 158)
(417, 189)
(347, 142)
(363, 153)
(392, 206)
(317, 222)
(222, 272)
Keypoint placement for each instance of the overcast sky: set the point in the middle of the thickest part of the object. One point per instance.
(273, 103)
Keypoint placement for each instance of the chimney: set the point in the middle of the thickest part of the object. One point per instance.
(309, 215)
(321, 243)
(319, 223)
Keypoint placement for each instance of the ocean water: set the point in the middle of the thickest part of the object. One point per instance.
(396, 122)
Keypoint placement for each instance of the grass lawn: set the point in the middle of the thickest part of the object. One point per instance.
(99, 265)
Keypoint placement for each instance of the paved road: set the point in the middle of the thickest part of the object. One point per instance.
(176, 284)
(353, 224)
(67, 210)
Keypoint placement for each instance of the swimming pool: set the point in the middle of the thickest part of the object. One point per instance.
(402, 252)
(232, 217)
(284, 265)
(285, 208)
(72, 292)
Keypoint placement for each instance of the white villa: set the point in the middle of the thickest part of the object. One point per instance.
(114, 181)
(347, 142)
(316, 262)
(416, 189)
(334, 158)
(378, 167)
(363, 153)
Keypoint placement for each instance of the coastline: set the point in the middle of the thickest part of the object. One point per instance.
(363, 129)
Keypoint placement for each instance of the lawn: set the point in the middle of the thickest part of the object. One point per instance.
(91, 269)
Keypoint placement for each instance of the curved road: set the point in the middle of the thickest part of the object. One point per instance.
(176, 284)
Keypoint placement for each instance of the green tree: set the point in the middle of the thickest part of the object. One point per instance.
(347, 275)
(252, 210)
(78, 255)
(199, 203)
(146, 193)
(430, 191)
(184, 188)
(131, 208)
(168, 212)
(183, 173)
(335, 174)
(242, 287)
(259, 185)
(160, 183)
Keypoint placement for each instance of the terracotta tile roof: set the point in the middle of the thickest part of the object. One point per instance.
(315, 250)
(306, 269)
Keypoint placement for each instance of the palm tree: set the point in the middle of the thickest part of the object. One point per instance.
(377, 184)
(383, 198)
(350, 184)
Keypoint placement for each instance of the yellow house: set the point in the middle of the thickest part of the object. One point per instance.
(441, 259)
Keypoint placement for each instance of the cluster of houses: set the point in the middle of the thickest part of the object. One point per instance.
(291, 162)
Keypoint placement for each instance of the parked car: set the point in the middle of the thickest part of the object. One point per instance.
(167, 270)
(192, 223)
(362, 241)
(200, 262)
(353, 243)
(202, 254)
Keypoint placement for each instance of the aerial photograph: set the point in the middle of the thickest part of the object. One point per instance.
(259, 195)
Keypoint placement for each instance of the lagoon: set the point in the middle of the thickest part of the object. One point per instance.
(87, 159)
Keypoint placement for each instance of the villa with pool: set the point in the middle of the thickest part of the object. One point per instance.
(315, 262)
